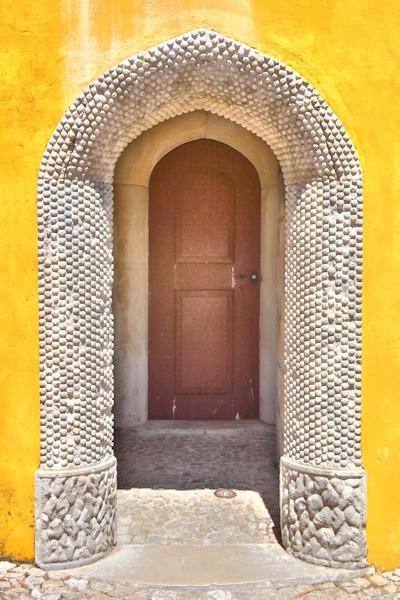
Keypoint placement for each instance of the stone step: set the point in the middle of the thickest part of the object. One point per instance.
(192, 565)
(200, 427)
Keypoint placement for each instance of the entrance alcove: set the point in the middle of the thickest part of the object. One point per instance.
(130, 299)
(130, 307)
(197, 76)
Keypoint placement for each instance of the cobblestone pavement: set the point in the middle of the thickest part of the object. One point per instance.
(25, 581)
(183, 468)
(166, 517)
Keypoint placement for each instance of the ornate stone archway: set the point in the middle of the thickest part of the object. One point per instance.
(322, 480)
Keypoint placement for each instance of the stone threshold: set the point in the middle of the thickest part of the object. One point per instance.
(192, 566)
(201, 427)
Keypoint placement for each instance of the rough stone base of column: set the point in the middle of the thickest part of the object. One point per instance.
(75, 514)
(323, 513)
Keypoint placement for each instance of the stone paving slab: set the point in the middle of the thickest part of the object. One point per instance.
(190, 565)
(201, 427)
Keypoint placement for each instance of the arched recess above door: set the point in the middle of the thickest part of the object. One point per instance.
(321, 471)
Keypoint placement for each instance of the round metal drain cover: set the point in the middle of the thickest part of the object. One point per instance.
(223, 493)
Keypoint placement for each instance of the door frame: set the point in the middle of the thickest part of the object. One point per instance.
(321, 466)
(130, 293)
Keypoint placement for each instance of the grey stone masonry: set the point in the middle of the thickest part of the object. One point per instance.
(323, 514)
(75, 515)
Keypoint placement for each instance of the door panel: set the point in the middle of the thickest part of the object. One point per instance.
(204, 241)
(205, 218)
(204, 276)
(204, 342)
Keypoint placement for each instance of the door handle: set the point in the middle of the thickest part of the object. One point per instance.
(253, 277)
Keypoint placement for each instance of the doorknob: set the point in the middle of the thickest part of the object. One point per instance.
(253, 277)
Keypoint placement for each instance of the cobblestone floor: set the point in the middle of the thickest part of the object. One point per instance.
(201, 461)
(165, 517)
(183, 469)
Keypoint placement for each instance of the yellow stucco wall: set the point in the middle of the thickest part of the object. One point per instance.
(347, 49)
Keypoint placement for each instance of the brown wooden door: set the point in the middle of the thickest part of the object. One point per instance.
(204, 228)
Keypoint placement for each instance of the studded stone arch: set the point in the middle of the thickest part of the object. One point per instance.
(322, 480)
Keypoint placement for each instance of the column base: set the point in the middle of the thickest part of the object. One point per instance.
(75, 514)
(323, 514)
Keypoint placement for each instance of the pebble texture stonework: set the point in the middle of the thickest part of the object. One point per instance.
(201, 70)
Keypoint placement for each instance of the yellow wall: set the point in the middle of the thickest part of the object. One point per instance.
(30, 103)
(348, 49)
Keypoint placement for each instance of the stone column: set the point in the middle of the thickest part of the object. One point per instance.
(76, 482)
(323, 493)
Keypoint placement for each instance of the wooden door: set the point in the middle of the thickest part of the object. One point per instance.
(204, 302)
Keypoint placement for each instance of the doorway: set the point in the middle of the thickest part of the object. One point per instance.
(177, 161)
(204, 289)
(131, 247)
